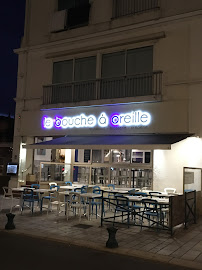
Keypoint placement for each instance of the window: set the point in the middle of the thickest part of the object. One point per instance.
(82, 155)
(113, 65)
(41, 155)
(137, 61)
(67, 4)
(140, 156)
(85, 69)
(100, 156)
(119, 156)
(127, 73)
(62, 71)
(75, 79)
(77, 11)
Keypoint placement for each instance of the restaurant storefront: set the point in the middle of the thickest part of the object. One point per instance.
(143, 145)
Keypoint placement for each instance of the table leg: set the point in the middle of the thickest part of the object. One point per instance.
(89, 210)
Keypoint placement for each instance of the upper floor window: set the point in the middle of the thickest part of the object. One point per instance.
(84, 69)
(67, 4)
(127, 73)
(62, 71)
(130, 62)
(77, 12)
(123, 74)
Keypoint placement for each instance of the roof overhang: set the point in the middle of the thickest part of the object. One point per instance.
(138, 141)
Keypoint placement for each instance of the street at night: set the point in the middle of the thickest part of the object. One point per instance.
(23, 252)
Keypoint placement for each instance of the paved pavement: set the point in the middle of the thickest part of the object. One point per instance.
(184, 248)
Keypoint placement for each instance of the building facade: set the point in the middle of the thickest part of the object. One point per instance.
(122, 81)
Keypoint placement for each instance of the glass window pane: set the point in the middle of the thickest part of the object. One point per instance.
(79, 3)
(41, 155)
(65, 4)
(113, 65)
(120, 177)
(81, 174)
(85, 69)
(119, 156)
(55, 172)
(99, 176)
(140, 156)
(82, 155)
(62, 71)
(100, 156)
(140, 60)
(192, 179)
(141, 178)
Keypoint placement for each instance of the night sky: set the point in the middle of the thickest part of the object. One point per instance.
(11, 31)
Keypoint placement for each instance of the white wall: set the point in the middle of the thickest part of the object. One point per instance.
(168, 164)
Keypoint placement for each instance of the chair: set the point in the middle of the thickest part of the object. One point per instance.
(154, 193)
(55, 200)
(122, 205)
(10, 195)
(151, 212)
(96, 202)
(75, 203)
(111, 186)
(140, 193)
(28, 196)
(132, 191)
(51, 194)
(6, 196)
(36, 186)
(68, 183)
(52, 184)
(169, 190)
(83, 189)
(136, 206)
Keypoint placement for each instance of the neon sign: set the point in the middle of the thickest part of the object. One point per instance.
(133, 118)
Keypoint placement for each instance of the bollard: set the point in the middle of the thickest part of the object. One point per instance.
(10, 225)
(111, 242)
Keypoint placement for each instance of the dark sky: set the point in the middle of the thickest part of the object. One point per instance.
(11, 31)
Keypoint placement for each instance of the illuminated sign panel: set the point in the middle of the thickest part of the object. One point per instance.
(133, 118)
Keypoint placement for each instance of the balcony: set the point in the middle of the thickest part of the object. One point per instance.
(129, 7)
(149, 84)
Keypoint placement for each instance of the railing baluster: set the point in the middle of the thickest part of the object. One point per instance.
(127, 7)
(128, 86)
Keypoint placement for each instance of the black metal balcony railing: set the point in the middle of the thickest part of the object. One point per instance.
(128, 7)
(127, 86)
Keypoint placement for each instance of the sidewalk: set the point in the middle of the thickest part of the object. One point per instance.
(184, 248)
